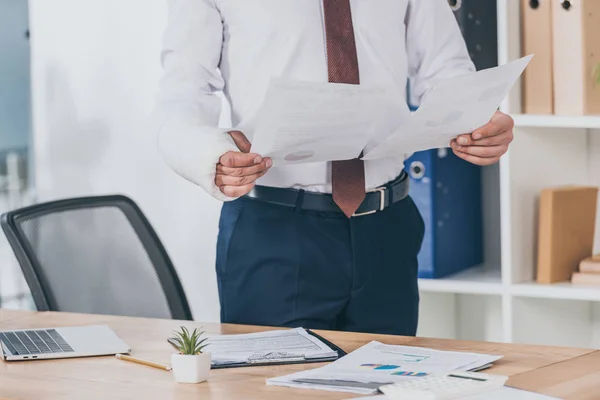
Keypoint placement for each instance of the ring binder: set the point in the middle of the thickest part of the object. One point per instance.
(478, 23)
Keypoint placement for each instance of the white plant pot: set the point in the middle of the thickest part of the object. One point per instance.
(191, 369)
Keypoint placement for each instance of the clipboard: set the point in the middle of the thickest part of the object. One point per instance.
(285, 359)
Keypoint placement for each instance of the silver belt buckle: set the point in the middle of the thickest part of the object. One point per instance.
(381, 191)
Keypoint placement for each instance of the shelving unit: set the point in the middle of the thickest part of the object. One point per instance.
(501, 301)
(473, 281)
(556, 121)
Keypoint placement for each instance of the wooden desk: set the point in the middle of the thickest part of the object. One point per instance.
(577, 378)
(106, 377)
(6, 314)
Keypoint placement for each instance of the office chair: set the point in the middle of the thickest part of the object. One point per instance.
(96, 255)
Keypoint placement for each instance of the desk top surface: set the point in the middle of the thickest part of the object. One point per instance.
(6, 314)
(570, 373)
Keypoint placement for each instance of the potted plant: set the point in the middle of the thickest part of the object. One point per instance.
(190, 364)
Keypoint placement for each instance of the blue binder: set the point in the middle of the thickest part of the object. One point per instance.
(447, 192)
(445, 188)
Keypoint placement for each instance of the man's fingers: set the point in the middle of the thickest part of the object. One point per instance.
(245, 171)
(504, 138)
(464, 140)
(241, 141)
(236, 191)
(499, 123)
(487, 132)
(491, 129)
(476, 160)
(481, 151)
(228, 180)
(236, 160)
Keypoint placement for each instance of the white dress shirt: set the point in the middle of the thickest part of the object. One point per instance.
(235, 46)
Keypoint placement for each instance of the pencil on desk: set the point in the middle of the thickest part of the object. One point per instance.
(143, 362)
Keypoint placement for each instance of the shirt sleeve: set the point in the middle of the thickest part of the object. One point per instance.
(435, 46)
(187, 107)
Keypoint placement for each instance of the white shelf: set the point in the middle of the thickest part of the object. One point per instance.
(472, 281)
(563, 291)
(557, 121)
(567, 151)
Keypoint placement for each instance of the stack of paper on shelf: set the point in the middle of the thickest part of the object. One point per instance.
(376, 364)
(589, 272)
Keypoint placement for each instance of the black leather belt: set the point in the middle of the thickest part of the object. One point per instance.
(376, 200)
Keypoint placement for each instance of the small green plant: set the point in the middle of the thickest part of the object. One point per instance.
(186, 343)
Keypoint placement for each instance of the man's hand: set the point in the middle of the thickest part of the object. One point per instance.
(487, 144)
(237, 172)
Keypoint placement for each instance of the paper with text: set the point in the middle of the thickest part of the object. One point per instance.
(239, 348)
(376, 364)
(452, 107)
(302, 122)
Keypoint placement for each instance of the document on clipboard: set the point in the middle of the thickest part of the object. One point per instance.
(291, 346)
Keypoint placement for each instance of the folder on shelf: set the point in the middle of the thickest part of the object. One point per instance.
(567, 217)
(478, 23)
(536, 34)
(447, 192)
(576, 54)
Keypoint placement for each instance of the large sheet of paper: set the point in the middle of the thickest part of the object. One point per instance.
(452, 107)
(227, 349)
(503, 393)
(375, 364)
(302, 122)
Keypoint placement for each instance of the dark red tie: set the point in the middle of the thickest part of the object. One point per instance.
(347, 176)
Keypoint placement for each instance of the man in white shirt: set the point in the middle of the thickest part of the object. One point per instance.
(321, 245)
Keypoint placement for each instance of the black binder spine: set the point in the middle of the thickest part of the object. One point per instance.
(478, 21)
(332, 345)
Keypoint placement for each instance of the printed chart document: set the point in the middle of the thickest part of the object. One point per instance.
(302, 122)
(500, 394)
(267, 346)
(452, 107)
(375, 364)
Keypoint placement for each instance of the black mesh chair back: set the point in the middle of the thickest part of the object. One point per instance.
(95, 255)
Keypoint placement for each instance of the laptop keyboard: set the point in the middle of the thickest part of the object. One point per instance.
(40, 341)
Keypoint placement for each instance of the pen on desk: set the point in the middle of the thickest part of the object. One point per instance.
(143, 362)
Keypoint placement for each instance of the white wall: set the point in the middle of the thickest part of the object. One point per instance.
(95, 69)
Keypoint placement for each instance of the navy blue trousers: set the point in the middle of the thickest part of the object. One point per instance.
(287, 267)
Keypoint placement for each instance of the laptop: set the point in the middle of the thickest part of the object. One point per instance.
(52, 343)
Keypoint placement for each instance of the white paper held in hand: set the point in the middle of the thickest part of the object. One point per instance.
(452, 107)
(302, 122)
